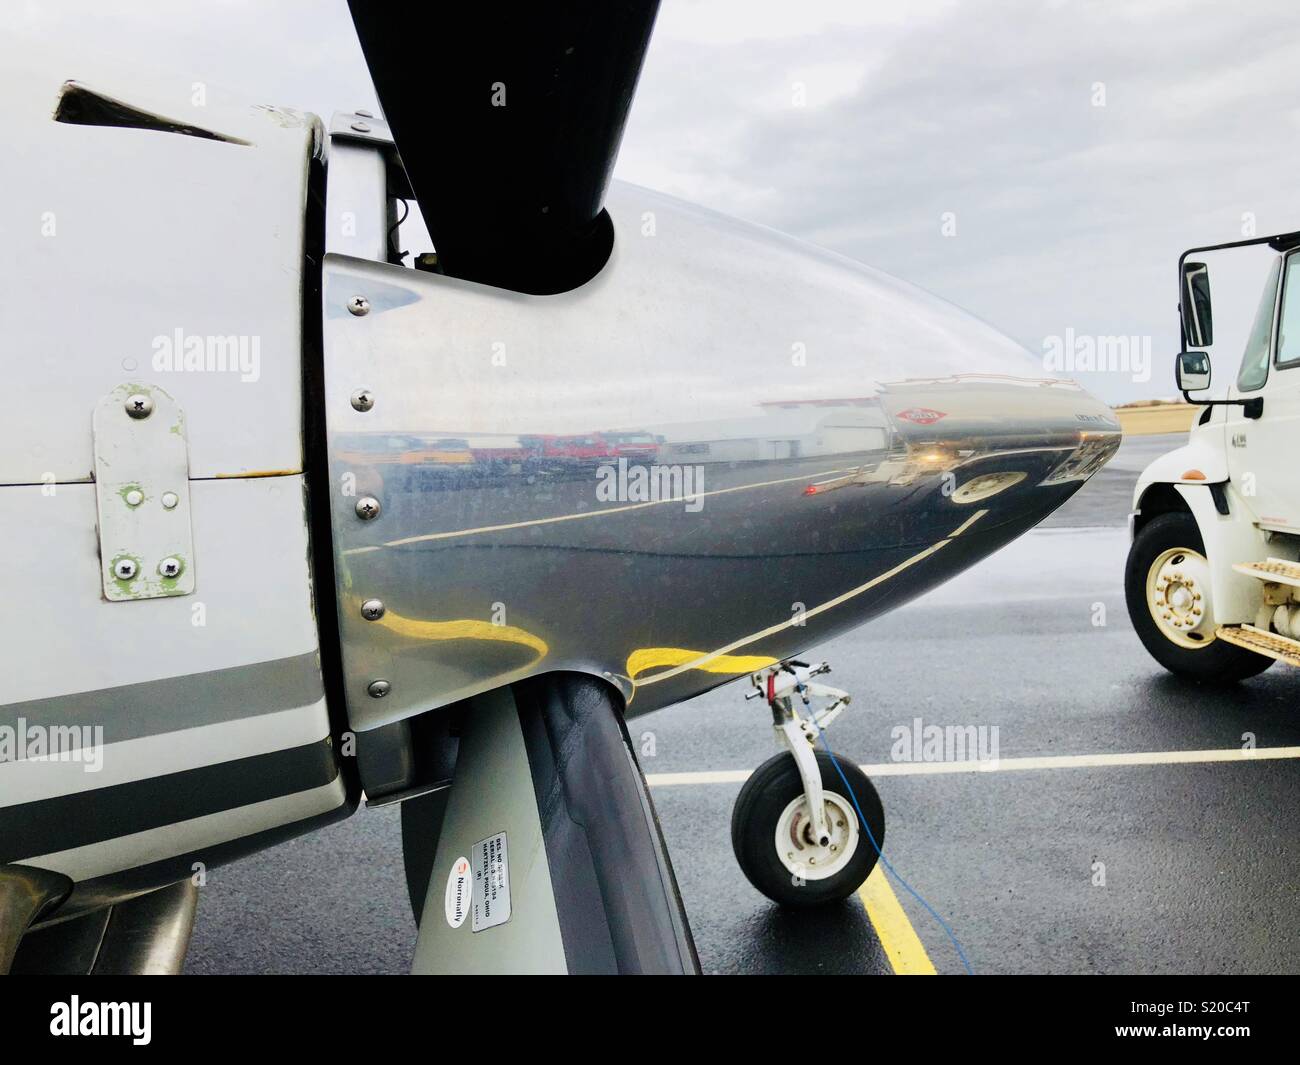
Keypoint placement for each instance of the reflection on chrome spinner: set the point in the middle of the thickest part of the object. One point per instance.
(725, 448)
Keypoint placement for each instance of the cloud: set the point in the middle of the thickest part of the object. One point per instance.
(1068, 214)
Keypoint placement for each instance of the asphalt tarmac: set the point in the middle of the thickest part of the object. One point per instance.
(1115, 835)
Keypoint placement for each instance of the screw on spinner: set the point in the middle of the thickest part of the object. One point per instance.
(359, 305)
(139, 405)
(367, 508)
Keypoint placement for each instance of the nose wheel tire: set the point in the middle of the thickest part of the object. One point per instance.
(1170, 601)
(771, 833)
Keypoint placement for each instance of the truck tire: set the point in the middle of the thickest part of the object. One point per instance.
(1193, 653)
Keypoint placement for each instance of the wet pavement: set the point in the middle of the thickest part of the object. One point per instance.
(1073, 864)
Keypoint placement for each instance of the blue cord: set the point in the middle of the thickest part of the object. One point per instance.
(892, 871)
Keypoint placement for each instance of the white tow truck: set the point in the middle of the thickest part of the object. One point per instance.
(1213, 575)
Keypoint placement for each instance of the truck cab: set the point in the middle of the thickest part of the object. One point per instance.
(1213, 574)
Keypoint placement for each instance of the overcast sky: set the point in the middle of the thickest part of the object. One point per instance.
(1039, 163)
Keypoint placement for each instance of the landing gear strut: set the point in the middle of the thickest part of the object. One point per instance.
(795, 827)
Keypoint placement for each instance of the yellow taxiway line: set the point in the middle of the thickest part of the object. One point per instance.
(902, 946)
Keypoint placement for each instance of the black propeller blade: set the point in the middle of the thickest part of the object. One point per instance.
(508, 120)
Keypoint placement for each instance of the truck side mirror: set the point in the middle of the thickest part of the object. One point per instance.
(1198, 321)
(1193, 371)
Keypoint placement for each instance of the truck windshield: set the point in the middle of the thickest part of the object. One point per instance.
(1288, 326)
(1254, 361)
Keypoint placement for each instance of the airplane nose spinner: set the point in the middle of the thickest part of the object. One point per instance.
(766, 445)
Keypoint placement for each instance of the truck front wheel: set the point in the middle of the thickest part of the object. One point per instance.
(1167, 588)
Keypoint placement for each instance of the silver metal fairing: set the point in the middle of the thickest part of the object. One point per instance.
(726, 447)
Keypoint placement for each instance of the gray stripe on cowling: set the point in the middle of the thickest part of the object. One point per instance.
(174, 703)
(83, 818)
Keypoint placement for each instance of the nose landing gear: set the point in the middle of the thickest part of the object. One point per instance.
(795, 827)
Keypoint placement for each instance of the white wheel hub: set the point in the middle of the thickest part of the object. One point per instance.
(1178, 596)
(801, 853)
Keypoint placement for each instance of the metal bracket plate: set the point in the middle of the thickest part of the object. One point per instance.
(142, 495)
(360, 126)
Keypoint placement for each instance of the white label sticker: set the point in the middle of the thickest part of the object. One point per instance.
(455, 899)
(491, 882)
